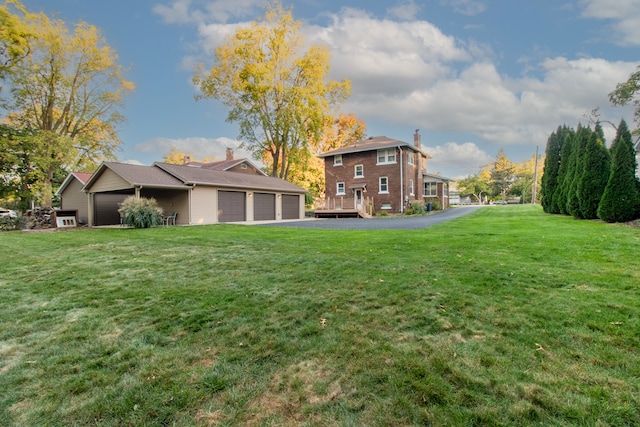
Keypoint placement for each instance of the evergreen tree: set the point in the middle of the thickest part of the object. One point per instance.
(620, 201)
(559, 201)
(551, 168)
(595, 175)
(576, 163)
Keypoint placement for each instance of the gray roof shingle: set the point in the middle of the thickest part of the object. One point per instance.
(201, 176)
(373, 143)
(143, 175)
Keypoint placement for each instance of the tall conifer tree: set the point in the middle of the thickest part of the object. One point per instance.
(551, 169)
(559, 201)
(596, 168)
(620, 201)
(577, 168)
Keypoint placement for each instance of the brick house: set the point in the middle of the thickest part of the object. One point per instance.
(379, 174)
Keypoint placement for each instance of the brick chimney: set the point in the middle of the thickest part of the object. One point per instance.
(416, 139)
(186, 160)
(229, 153)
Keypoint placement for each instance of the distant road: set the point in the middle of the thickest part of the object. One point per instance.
(380, 223)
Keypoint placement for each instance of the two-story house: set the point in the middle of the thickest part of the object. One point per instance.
(379, 174)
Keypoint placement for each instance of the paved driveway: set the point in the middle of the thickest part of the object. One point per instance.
(378, 223)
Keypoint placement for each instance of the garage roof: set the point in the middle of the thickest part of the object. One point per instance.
(201, 176)
(137, 175)
(165, 175)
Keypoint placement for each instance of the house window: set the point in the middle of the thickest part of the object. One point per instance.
(386, 206)
(411, 192)
(384, 185)
(411, 158)
(359, 171)
(387, 156)
(430, 189)
(340, 188)
(337, 160)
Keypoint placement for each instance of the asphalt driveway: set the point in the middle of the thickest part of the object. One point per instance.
(378, 223)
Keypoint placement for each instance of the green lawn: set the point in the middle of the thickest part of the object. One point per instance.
(505, 317)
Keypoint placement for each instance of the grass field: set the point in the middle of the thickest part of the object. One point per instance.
(505, 317)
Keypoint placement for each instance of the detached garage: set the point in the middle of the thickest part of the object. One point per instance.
(198, 195)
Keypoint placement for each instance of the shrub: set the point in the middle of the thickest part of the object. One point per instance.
(140, 212)
(415, 208)
(8, 224)
(437, 204)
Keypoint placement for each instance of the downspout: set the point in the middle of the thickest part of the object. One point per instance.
(401, 183)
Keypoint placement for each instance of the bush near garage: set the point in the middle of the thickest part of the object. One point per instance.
(140, 212)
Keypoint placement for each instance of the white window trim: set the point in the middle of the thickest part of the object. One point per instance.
(380, 191)
(337, 160)
(411, 189)
(411, 158)
(338, 192)
(386, 160)
(355, 171)
(432, 184)
(386, 206)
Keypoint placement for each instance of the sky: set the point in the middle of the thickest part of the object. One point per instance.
(475, 76)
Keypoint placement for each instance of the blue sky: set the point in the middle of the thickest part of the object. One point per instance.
(474, 76)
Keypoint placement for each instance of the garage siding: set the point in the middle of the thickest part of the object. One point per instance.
(231, 206)
(290, 206)
(264, 206)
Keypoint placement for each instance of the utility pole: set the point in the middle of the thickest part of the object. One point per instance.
(535, 179)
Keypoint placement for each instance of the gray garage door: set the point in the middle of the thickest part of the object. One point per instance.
(231, 206)
(264, 206)
(105, 208)
(290, 207)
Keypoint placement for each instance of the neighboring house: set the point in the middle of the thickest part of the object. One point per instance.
(199, 195)
(230, 164)
(436, 187)
(380, 172)
(72, 197)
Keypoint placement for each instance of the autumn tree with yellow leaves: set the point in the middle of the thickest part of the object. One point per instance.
(66, 96)
(177, 157)
(14, 36)
(275, 87)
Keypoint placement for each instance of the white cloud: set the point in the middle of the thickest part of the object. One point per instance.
(456, 158)
(624, 14)
(202, 11)
(465, 7)
(405, 10)
(175, 13)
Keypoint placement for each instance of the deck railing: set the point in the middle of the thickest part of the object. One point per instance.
(344, 203)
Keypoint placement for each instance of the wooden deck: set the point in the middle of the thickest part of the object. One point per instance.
(344, 208)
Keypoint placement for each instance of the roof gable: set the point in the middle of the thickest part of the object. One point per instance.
(136, 175)
(81, 177)
(225, 165)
